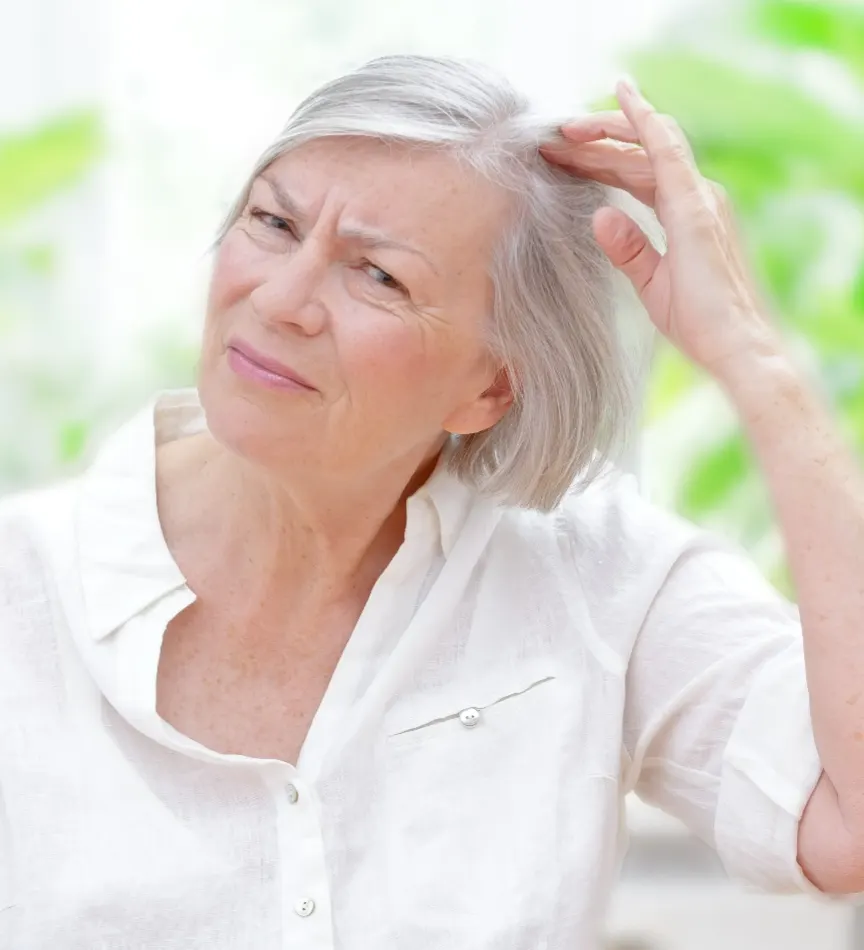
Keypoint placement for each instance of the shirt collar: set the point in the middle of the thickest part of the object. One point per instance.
(125, 562)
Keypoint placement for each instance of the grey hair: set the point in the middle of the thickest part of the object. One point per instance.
(554, 326)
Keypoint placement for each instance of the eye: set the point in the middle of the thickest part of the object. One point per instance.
(273, 222)
(382, 277)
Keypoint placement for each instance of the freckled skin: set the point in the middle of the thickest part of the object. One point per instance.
(284, 514)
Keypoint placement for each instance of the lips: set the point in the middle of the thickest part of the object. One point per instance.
(267, 364)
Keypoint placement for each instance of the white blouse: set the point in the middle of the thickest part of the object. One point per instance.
(513, 675)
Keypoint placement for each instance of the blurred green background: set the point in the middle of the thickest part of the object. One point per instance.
(790, 157)
(41, 432)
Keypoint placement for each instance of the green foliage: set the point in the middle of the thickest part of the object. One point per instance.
(836, 29)
(736, 117)
(43, 383)
(673, 378)
(716, 474)
(37, 163)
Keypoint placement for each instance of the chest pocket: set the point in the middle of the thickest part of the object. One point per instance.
(481, 784)
(473, 707)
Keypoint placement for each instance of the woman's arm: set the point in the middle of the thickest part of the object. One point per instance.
(818, 494)
(701, 296)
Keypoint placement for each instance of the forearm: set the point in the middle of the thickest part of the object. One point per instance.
(818, 493)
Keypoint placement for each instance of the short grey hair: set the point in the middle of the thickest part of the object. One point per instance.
(553, 324)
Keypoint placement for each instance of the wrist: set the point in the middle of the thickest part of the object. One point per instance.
(767, 390)
(762, 362)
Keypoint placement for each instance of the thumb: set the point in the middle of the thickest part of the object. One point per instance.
(626, 245)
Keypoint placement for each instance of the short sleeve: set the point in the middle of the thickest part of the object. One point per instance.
(717, 718)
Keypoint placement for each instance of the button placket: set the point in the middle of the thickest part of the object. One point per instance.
(304, 890)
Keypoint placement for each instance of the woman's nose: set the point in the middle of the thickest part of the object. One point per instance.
(291, 290)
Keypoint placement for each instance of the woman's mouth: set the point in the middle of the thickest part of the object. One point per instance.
(247, 362)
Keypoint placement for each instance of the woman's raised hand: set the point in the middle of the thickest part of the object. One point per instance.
(700, 293)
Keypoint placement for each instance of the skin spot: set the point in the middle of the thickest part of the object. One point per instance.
(853, 699)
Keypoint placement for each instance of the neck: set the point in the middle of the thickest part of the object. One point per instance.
(277, 539)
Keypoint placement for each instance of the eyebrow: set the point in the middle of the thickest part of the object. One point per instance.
(369, 237)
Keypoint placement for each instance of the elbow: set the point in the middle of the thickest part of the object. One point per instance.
(831, 843)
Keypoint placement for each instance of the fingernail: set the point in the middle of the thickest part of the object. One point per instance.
(629, 82)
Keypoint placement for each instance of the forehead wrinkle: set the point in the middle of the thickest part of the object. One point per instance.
(359, 234)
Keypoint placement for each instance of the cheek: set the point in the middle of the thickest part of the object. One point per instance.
(233, 277)
(397, 359)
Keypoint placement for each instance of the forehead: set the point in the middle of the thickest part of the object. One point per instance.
(422, 195)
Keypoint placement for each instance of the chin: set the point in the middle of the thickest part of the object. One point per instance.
(243, 420)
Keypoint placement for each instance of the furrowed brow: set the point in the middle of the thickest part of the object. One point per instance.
(368, 237)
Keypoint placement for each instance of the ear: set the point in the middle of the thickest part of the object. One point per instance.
(484, 411)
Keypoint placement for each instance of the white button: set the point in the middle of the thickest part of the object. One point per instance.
(292, 793)
(305, 907)
(469, 717)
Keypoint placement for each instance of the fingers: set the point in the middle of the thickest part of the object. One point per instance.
(637, 149)
(627, 246)
(600, 125)
(605, 146)
(594, 154)
(664, 142)
(608, 163)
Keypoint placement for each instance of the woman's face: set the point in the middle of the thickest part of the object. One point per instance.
(362, 267)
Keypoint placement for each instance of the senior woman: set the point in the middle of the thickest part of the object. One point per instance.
(361, 643)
